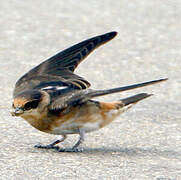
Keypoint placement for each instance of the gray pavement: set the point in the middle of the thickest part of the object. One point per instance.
(144, 143)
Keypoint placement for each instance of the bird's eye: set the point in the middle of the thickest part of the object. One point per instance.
(31, 105)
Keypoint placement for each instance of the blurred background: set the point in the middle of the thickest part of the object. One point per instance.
(145, 142)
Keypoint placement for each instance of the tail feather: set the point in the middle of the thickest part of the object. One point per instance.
(134, 99)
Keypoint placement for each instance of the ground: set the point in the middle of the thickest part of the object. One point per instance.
(144, 143)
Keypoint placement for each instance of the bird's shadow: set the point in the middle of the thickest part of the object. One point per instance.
(118, 151)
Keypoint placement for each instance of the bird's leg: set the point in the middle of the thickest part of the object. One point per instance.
(52, 145)
(81, 139)
(75, 148)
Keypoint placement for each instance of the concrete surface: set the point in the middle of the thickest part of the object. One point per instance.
(143, 143)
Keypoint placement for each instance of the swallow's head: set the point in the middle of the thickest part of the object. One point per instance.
(29, 103)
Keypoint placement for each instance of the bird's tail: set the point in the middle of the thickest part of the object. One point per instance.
(110, 110)
(134, 99)
(126, 103)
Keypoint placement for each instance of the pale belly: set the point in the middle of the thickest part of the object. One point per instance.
(88, 123)
(73, 125)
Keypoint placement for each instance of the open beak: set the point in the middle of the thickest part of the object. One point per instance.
(17, 112)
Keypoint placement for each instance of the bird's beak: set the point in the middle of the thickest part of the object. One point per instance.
(17, 112)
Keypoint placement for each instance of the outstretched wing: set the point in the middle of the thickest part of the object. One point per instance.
(57, 71)
(72, 97)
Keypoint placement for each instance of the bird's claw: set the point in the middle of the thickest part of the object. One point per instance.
(71, 150)
(50, 146)
(47, 146)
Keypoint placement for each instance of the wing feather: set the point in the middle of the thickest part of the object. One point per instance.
(61, 66)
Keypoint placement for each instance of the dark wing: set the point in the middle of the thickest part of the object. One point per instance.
(70, 97)
(58, 70)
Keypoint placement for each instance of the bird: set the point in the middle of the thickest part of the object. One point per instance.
(55, 100)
